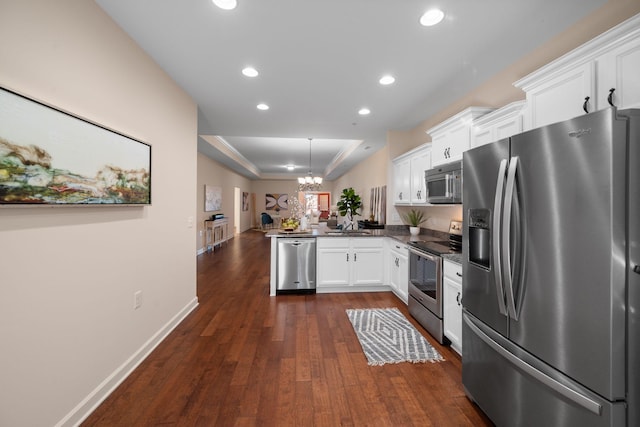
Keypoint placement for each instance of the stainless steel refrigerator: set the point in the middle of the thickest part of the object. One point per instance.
(551, 282)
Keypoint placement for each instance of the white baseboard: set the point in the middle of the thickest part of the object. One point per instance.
(100, 393)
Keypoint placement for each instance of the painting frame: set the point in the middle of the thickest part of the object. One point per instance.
(53, 158)
(212, 198)
(276, 202)
(245, 201)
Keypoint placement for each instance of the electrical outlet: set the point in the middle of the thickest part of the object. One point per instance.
(190, 222)
(137, 300)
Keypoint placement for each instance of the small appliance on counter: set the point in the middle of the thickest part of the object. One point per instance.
(425, 279)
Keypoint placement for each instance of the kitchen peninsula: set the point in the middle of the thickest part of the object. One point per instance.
(357, 260)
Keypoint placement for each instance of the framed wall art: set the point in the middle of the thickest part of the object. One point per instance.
(52, 158)
(212, 198)
(276, 202)
(245, 201)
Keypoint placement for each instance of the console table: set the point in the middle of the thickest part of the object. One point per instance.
(216, 232)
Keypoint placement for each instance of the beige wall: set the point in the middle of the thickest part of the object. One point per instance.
(363, 177)
(68, 275)
(213, 173)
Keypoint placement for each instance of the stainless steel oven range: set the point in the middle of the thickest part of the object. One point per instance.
(425, 279)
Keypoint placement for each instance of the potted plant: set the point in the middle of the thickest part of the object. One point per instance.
(348, 205)
(414, 218)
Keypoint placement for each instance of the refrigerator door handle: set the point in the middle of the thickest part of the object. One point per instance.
(495, 238)
(573, 395)
(506, 242)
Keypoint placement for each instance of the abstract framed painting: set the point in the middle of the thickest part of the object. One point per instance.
(52, 158)
(212, 198)
(276, 202)
(245, 201)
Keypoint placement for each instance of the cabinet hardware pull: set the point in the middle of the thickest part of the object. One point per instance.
(458, 274)
(610, 97)
(636, 269)
(355, 257)
(347, 257)
(585, 106)
(458, 298)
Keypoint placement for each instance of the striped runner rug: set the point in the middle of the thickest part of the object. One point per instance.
(386, 336)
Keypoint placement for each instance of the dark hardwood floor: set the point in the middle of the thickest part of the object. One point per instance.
(243, 358)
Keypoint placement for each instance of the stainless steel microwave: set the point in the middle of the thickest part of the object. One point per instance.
(444, 183)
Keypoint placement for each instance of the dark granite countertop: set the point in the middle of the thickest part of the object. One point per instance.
(457, 258)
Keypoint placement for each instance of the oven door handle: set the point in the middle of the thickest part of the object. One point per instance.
(495, 238)
(430, 257)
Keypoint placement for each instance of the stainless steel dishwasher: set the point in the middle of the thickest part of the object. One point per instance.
(296, 265)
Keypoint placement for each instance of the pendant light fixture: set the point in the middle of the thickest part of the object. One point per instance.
(309, 182)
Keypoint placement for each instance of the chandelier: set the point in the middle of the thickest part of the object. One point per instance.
(309, 182)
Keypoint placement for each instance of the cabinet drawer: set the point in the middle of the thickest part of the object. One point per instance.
(368, 242)
(452, 270)
(332, 242)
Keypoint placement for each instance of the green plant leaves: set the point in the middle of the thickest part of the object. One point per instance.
(349, 200)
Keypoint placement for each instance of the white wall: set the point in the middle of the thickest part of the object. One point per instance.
(67, 275)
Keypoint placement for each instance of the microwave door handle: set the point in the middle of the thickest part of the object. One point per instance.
(495, 238)
(506, 241)
(446, 185)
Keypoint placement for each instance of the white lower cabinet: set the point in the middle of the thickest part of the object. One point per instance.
(398, 269)
(452, 305)
(350, 264)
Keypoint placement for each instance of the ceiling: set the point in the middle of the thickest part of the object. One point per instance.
(319, 63)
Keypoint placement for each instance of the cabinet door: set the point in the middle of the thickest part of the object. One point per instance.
(367, 264)
(508, 127)
(399, 279)
(452, 312)
(440, 149)
(459, 141)
(420, 162)
(562, 97)
(484, 136)
(332, 262)
(402, 181)
(619, 70)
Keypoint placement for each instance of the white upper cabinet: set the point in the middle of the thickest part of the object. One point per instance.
(402, 181)
(452, 137)
(581, 81)
(420, 162)
(619, 69)
(408, 176)
(561, 97)
(501, 123)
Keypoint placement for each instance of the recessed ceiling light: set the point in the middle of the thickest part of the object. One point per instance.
(290, 167)
(262, 107)
(250, 72)
(387, 80)
(226, 4)
(364, 111)
(432, 17)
